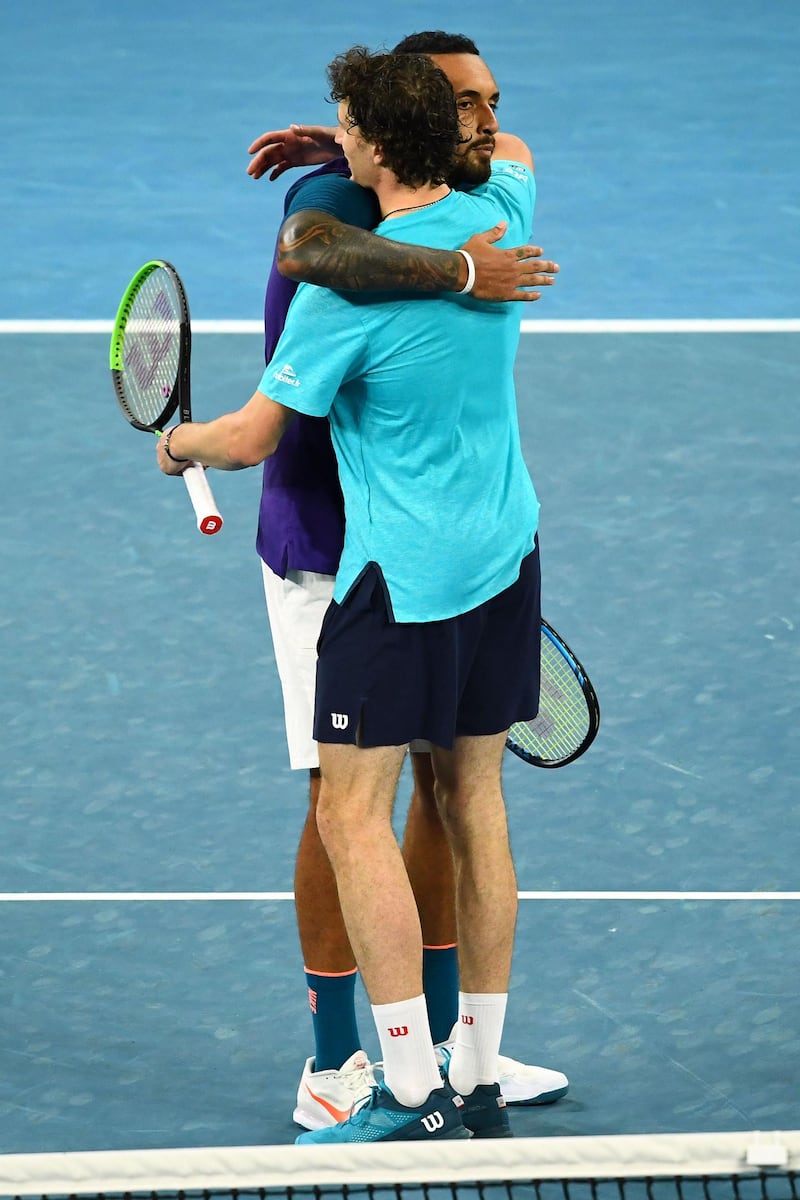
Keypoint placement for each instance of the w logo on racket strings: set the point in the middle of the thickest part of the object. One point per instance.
(340, 720)
(144, 358)
(145, 353)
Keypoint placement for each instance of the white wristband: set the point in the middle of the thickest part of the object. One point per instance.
(470, 284)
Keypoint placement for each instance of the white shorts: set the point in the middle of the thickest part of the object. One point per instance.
(295, 607)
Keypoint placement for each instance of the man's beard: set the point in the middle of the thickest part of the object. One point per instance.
(469, 170)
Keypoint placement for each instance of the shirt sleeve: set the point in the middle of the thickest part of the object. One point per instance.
(512, 188)
(337, 195)
(322, 347)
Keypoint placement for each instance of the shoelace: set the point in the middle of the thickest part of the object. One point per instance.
(355, 1081)
(365, 1102)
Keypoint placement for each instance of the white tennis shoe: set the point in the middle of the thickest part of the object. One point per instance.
(326, 1097)
(519, 1083)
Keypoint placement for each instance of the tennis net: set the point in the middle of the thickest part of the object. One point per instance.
(722, 1166)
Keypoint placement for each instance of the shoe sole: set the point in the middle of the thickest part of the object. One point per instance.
(457, 1133)
(542, 1098)
(451, 1135)
(310, 1121)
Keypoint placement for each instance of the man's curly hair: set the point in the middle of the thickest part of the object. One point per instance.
(405, 106)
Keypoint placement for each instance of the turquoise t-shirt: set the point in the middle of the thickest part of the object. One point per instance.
(420, 395)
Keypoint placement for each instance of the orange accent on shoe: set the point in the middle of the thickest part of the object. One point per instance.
(338, 1114)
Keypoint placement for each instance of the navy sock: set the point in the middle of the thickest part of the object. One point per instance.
(440, 983)
(331, 999)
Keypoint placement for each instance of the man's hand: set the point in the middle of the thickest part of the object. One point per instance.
(503, 274)
(297, 146)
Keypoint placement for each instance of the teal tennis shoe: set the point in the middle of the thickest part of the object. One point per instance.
(381, 1118)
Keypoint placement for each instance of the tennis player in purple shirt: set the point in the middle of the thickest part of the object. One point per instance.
(300, 538)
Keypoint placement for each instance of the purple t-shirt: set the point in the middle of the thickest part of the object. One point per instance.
(301, 518)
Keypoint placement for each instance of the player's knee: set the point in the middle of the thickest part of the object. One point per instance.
(339, 822)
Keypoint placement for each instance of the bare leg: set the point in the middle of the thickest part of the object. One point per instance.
(323, 937)
(428, 860)
(354, 815)
(471, 803)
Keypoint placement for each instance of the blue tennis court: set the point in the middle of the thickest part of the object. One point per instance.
(151, 981)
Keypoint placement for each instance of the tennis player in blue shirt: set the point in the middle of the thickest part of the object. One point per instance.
(300, 536)
(433, 631)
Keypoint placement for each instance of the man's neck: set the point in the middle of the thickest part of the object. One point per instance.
(398, 200)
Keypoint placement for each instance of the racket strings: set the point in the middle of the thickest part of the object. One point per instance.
(563, 720)
(151, 347)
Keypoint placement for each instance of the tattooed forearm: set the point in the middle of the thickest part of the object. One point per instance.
(316, 248)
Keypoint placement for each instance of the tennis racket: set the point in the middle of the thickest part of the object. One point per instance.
(150, 351)
(569, 715)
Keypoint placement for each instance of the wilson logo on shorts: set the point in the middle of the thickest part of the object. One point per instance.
(340, 720)
(433, 1121)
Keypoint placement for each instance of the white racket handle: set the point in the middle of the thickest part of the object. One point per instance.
(201, 496)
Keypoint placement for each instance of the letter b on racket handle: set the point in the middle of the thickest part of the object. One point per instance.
(208, 518)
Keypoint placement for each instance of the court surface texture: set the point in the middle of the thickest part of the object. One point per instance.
(151, 986)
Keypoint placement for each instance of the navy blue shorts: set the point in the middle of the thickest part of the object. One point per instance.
(383, 683)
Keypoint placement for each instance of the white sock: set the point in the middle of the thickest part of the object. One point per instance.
(478, 1034)
(409, 1061)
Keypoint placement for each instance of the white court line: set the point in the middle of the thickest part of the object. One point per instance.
(172, 897)
(667, 325)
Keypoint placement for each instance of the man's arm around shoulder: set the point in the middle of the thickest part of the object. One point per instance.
(314, 246)
(507, 146)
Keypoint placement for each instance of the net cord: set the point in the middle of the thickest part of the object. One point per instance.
(239, 1167)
